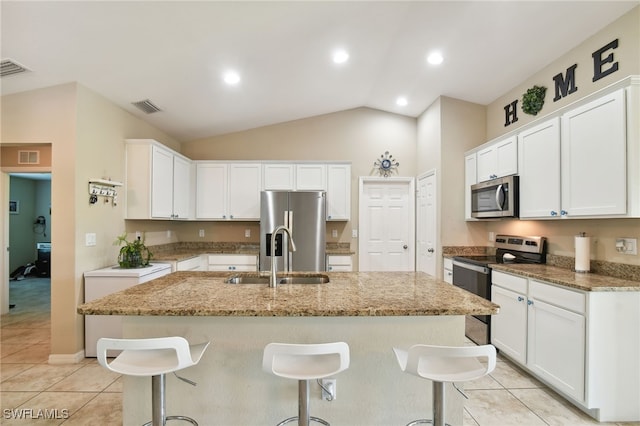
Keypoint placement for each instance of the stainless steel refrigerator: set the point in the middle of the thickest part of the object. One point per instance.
(304, 213)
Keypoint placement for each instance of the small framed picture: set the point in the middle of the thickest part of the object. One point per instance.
(14, 207)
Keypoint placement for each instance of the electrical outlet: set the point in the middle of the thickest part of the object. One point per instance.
(627, 246)
(329, 389)
(138, 234)
(492, 237)
(247, 233)
(90, 239)
(201, 233)
(354, 233)
(334, 233)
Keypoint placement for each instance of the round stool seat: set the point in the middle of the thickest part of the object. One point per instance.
(442, 364)
(304, 362)
(155, 358)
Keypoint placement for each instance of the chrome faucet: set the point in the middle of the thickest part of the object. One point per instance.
(292, 247)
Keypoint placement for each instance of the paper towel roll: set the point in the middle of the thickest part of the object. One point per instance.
(583, 253)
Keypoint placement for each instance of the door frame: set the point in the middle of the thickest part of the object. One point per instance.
(410, 181)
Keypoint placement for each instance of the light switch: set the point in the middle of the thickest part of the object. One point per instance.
(90, 239)
(334, 233)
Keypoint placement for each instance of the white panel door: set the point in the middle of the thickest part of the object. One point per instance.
(386, 224)
(426, 224)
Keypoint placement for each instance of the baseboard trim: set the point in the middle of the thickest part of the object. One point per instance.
(66, 358)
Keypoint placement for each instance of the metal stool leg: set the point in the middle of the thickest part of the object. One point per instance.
(437, 390)
(303, 417)
(158, 404)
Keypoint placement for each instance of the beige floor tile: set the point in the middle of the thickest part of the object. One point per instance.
(9, 370)
(467, 419)
(499, 407)
(88, 378)
(511, 377)
(116, 386)
(486, 382)
(34, 354)
(25, 335)
(9, 400)
(52, 408)
(104, 409)
(552, 408)
(38, 378)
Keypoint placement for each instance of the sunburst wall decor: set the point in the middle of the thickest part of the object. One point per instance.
(386, 164)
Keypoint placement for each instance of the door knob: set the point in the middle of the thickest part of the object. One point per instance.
(405, 246)
(430, 250)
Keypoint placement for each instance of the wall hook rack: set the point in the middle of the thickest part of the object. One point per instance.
(103, 188)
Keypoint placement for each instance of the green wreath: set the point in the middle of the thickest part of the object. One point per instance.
(533, 100)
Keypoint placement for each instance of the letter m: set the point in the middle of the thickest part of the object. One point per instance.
(565, 85)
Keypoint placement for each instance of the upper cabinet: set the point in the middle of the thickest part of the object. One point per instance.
(159, 182)
(228, 191)
(338, 192)
(593, 156)
(498, 159)
(539, 165)
(295, 177)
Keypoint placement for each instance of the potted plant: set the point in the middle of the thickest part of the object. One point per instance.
(133, 254)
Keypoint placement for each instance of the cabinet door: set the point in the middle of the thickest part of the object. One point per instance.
(507, 157)
(311, 177)
(211, 186)
(509, 327)
(470, 178)
(279, 177)
(594, 174)
(339, 263)
(539, 167)
(182, 185)
(161, 183)
(557, 347)
(245, 181)
(487, 164)
(338, 192)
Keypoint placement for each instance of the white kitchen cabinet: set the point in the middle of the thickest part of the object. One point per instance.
(159, 183)
(311, 177)
(447, 267)
(279, 176)
(556, 337)
(470, 178)
(539, 170)
(233, 262)
(228, 191)
(193, 264)
(499, 159)
(338, 192)
(593, 152)
(509, 327)
(339, 263)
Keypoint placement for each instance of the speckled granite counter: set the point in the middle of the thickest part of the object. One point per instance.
(568, 278)
(347, 294)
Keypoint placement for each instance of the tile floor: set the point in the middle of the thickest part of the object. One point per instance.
(92, 396)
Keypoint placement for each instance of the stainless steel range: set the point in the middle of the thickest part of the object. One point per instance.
(473, 273)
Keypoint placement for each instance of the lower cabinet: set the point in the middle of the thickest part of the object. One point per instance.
(194, 264)
(447, 268)
(233, 262)
(339, 263)
(583, 344)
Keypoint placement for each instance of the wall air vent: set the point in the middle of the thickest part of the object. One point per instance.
(28, 157)
(10, 67)
(146, 106)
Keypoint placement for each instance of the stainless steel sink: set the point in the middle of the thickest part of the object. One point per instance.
(288, 279)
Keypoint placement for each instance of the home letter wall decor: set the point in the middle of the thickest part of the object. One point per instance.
(599, 61)
(511, 113)
(565, 86)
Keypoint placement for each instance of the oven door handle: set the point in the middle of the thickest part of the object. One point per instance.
(481, 269)
(500, 197)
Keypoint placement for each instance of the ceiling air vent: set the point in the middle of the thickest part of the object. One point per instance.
(146, 106)
(10, 67)
(28, 157)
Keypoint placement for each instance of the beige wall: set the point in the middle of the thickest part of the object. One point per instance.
(86, 134)
(9, 156)
(561, 232)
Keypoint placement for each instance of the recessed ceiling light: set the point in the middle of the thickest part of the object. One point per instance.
(435, 58)
(402, 101)
(340, 56)
(231, 78)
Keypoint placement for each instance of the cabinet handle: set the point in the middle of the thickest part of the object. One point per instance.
(530, 302)
(554, 213)
(520, 298)
(230, 216)
(449, 273)
(563, 213)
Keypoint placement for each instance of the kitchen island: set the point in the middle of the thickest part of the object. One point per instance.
(371, 311)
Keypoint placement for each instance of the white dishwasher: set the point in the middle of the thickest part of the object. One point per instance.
(102, 282)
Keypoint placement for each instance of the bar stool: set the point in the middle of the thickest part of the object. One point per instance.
(153, 357)
(304, 362)
(442, 364)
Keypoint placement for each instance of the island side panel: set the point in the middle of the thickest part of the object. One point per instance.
(233, 390)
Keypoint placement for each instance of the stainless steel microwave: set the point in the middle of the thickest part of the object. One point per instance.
(495, 198)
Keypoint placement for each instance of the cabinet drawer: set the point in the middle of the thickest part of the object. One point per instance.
(193, 264)
(567, 299)
(339, 263)
(518, 284)
(232, 259)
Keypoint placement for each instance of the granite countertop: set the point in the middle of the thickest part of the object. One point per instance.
(569, 278)
(347, 294)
